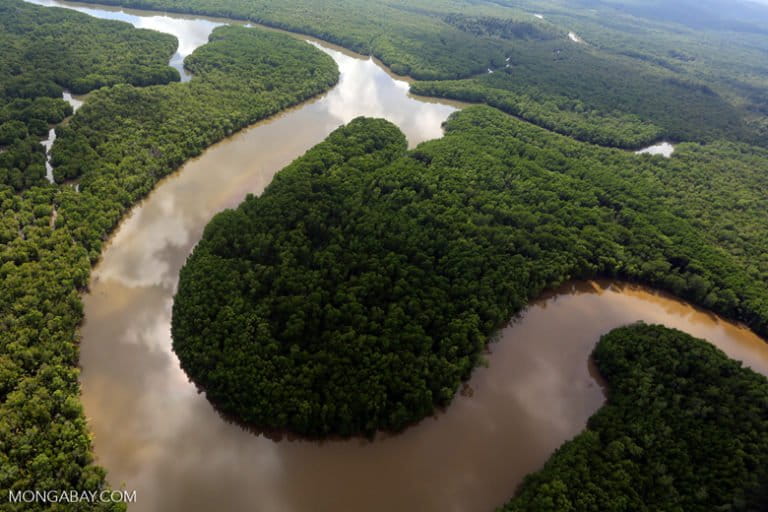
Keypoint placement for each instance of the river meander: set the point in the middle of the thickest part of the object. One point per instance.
(154, 433)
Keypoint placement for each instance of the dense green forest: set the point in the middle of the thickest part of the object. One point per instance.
(408, 38)
(685, 428)
(125, 137)
(42, 52)
(640, 76)
(358, 291)
(569, 89)
(120, 143)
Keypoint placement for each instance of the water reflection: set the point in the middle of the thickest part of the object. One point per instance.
(154, 240)
(48, 144)
(664, 149)
(191, 32)
(75, 101)
(155, 434)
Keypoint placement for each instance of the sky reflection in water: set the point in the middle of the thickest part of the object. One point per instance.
(154, 433)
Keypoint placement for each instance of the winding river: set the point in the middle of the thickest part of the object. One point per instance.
(154, 433)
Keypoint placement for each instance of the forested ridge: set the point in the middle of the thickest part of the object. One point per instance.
(684, 428)
(42, 52)
(358, 291)
(119, 144)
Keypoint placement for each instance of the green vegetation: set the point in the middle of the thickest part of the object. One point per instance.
(407, 37)
(685, 428)
(42, 52)
(710, 43)
(642, 75)
(119, 144)
(569, 89)
(45, 49)
(358, 291)
(125, 138)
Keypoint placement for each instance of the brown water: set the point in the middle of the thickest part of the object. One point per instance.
(157, 435)
(154, 433)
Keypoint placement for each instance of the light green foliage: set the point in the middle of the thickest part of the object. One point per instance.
(641, 75)
(43, 50)
(119, 144)
(125, 138)
(358, 292)
(685, 429)
(597, 97)
(410, 39)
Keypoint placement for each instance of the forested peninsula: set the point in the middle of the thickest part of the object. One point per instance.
(358, 291)
(685, 428)
(120, 143)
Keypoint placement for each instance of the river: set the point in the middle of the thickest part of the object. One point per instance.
(663, 148)
(154, 433)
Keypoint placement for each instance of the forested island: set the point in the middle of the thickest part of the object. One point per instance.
(685, 428)
(118, 145)
(358, 291)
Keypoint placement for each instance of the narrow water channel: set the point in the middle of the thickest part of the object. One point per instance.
(154, 433)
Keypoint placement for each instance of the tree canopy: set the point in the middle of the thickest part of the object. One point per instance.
(685, 428)
(636, 73)
(366, 280)
(358, 291)
(45, 50)
(119, 144)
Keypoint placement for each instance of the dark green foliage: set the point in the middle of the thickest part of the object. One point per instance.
(120, 143)
(43, 50)
(685, 429)
(125, 138)
(637, 78)
(410, 39)
(503, 28)
(359, 290)
(433, 247)
(572, 89)
(11, 131)
(22, 164)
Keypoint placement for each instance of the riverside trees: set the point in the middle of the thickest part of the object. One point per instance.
(684, 428)
(119, 144)
(358, 291)
(42, 52)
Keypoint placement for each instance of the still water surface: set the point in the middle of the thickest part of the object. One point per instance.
(154, 433)
(664, 149)
(190, 31)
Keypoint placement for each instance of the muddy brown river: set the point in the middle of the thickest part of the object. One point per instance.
(155, 434)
